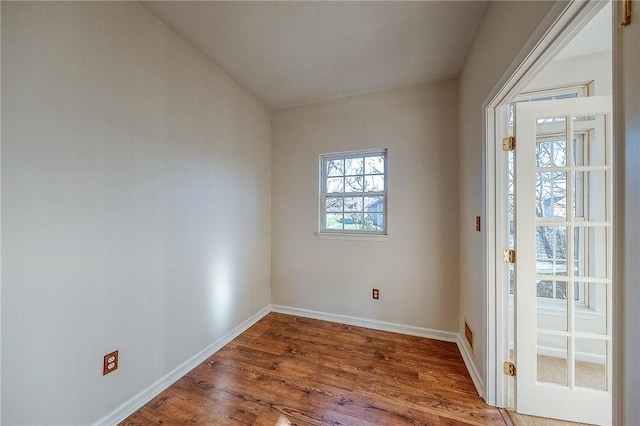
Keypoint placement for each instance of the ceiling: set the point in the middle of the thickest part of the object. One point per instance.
(594, 37)
(294, 53)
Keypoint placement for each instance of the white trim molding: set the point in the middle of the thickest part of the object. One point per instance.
(410, 330)
(132, 405)
(471, 367)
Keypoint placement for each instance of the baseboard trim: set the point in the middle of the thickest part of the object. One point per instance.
(473, 371)
(133, 404)
(369, 323)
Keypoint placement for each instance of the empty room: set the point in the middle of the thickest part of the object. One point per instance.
(319, 212)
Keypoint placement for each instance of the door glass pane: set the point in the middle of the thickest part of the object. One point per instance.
(590, 196)
(551, 250)
(591, 363)
(590, 255)
(589, 136)
(552, 359)
(551, 151)
(551, 195)
(591, 308)
(552, 305)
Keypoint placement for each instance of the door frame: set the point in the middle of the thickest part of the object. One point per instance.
(560, 25)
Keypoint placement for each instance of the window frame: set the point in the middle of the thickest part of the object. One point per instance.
(323, 231)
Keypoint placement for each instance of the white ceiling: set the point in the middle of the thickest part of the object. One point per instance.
(293, 53)
(594, 37)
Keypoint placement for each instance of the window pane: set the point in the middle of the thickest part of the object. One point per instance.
(373, 204)
(335, 167)
(374, 221)
(353, 204)
(335, 185)
(334, 221)
(353, 221)
(333, 204)
(374, 165)
(353, 166)
(353, 184)
(374, 183)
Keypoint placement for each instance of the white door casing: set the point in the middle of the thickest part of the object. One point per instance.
(563, 220)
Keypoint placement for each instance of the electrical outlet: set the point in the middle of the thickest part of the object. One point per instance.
(478, 223)
(110, 363)
(376, 294)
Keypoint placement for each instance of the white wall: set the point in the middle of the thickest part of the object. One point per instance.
(135, 206)
(577, 69)
(504, 31)
(416, 268)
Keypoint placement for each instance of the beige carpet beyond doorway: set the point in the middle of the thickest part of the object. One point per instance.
(554, 370)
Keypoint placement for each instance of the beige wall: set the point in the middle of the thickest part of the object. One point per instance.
(135, 206)
(416, 268)
(489, 58)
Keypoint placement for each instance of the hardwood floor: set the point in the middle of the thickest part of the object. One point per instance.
(293, 370)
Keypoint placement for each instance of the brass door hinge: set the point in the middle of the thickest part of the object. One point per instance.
(509, 369)
(626, 11)
(509, 256)
(509, 143)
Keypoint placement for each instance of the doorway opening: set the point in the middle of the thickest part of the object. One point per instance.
(572, 62)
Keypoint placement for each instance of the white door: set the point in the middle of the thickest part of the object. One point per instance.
(563, 161)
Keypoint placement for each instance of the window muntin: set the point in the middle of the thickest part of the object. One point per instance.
(353, 192)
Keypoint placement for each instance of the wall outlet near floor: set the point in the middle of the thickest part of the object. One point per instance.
(110, 363)
(375, 294)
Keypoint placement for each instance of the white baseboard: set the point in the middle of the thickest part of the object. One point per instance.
(473, 371)
(132, 405)
(369, 323)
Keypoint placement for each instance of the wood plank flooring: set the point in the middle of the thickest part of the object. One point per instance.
(288, 370)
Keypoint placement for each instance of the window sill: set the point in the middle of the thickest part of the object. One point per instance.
(352, 237)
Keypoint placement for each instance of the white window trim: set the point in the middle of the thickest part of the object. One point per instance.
(352, 234)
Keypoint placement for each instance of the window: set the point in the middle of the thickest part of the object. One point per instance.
(353, 192)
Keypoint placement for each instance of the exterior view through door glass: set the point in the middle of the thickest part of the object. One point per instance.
(564, 259)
